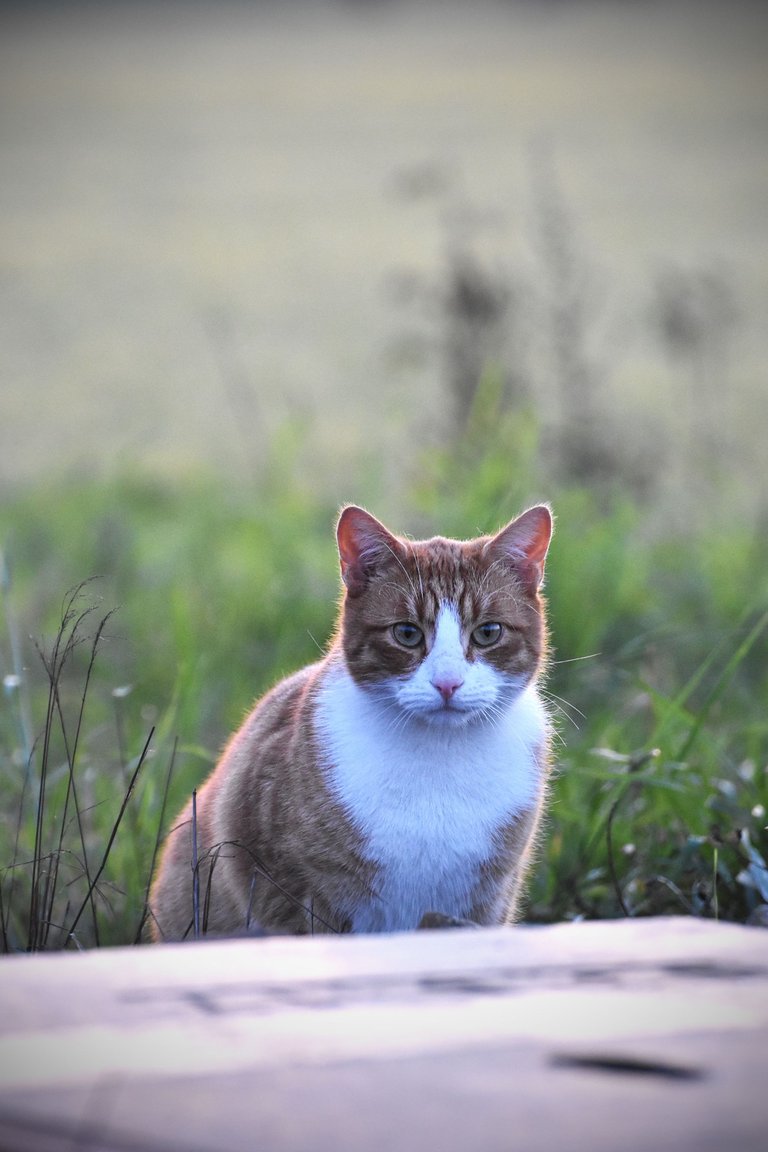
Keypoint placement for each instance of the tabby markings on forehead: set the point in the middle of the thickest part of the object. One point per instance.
(444, 573)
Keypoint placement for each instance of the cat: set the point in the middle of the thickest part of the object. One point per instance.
(402, 775)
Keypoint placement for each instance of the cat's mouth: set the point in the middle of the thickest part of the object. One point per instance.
(449, 713)
(438, 711)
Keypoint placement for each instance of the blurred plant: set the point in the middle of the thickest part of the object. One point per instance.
(473, 321)
(696, 314)
(476, 312)
(540, 333)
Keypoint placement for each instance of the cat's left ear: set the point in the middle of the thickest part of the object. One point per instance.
(524, 543)
(364, 545)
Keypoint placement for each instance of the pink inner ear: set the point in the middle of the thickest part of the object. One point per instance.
(361, 540)
(525, 542)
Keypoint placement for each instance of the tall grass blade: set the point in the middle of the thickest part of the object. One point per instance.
(158, 838)
(33, 924)
(112, 836)
(721, 684)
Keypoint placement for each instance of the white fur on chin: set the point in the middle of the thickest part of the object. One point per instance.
(427, 797)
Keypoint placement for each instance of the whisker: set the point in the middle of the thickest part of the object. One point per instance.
(563, 707)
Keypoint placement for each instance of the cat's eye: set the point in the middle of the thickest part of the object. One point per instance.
(409, 635)
(486, 634)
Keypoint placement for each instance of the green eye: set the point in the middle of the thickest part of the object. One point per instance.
(486, 634)
(408, 635)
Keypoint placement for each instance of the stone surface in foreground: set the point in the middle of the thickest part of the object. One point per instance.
(630, 1035)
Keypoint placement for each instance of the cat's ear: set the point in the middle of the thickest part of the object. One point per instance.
(364, 545)
(524, 544)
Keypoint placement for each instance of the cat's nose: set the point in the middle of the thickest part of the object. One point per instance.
(447, 685)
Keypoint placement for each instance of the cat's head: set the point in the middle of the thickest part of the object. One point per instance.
(446, 631)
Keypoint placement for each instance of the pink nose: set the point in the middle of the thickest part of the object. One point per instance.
(447, 685)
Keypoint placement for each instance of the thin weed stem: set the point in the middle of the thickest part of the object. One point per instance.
(611, 859)
(113, 833)
(195, 871)
(132, 817)
(208, 883)
(146, 911)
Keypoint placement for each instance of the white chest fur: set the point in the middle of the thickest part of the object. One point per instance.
(426, 800)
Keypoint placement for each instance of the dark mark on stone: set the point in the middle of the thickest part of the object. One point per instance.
(626, 1065)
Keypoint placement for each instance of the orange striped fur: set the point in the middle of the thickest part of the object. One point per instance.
(404, 773)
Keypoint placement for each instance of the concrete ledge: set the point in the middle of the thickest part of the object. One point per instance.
(647, 1034)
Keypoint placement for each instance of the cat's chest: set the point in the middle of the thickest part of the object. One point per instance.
(426, 802)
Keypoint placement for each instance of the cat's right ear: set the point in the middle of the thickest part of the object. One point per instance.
(364, 545)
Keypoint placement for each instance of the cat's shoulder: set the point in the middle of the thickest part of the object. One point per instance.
(287, 698)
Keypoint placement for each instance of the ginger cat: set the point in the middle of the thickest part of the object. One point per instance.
(401, 775)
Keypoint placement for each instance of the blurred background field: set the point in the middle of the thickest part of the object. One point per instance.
(260, 259)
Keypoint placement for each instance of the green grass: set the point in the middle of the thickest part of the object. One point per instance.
(204, 594)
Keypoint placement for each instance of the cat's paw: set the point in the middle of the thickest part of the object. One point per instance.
(440, 920)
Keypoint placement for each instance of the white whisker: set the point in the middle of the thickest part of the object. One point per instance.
(576, 659)
(563, 707)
